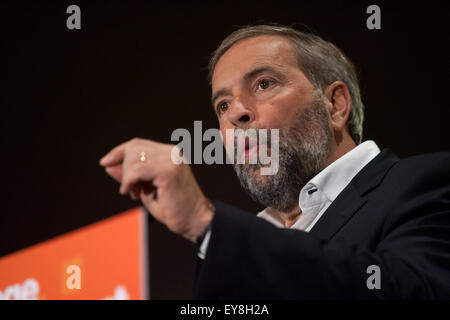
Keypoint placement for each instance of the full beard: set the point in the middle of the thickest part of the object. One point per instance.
(303, 149)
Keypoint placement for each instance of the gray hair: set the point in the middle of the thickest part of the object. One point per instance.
(321, 62)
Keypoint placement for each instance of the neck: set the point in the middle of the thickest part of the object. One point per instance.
(342, 143)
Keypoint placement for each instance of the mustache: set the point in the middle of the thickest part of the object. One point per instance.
(254, 136)
(256, 143)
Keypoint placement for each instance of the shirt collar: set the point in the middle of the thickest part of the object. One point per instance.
(332, 179)
(336, 176)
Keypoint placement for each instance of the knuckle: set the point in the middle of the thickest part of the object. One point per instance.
(170, 146)
(127, 149)
(136, 140)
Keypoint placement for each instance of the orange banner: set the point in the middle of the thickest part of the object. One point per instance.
(105, 260)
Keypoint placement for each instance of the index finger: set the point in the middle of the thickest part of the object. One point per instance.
(115, 156)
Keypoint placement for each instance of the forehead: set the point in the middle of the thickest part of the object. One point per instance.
(251, 53)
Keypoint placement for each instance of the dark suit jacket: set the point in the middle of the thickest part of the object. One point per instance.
(394, 214)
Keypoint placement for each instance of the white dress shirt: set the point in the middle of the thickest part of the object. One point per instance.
(318, 194)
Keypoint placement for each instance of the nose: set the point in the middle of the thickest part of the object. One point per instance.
(241, 113)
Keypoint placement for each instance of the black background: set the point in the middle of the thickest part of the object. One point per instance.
(138, 69)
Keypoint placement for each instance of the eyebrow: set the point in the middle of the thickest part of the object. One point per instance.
(218, 94)
(248, 76)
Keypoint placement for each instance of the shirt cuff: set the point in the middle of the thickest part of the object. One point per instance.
(204, 246)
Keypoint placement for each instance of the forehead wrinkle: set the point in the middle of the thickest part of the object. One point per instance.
(270, 47)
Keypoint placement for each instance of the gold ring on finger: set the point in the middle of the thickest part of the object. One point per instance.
(143, 156)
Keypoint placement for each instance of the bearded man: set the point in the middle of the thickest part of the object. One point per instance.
(343, 219)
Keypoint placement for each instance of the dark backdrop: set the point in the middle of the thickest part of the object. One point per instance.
(137, 69)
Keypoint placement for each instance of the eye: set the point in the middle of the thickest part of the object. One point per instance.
(264, 84)
(222, 107)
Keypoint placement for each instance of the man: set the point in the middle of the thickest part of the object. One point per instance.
(343, 220)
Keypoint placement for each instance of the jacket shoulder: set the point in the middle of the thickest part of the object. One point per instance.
(408, 181)
(436, 164)
(416, 185)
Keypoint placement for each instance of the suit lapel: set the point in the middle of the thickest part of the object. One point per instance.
(354, 196)
(338, 213)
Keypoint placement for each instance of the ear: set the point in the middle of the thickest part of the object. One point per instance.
(339, 104)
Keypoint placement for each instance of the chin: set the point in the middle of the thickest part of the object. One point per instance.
(258, 178)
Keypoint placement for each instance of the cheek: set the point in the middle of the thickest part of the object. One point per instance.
(283, 109)
(228, 143)
(224, 135)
